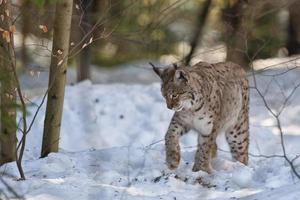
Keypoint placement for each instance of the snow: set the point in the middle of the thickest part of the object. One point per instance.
(243, 176)
(111, 147)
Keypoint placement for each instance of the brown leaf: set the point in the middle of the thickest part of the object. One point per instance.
(91, 40)
(43, 28)
(6, 36)
(60, 62)
(12, 28)
(7, 12)
(83, 46)
(59, 52)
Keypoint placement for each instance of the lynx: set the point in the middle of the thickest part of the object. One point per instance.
(207, 98)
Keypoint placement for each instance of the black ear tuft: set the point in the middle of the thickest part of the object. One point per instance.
(156, 69)
(181, 75)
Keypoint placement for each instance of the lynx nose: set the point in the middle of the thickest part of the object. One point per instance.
(169, 104)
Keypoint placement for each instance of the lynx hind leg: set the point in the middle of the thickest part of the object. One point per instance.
(237, 136)
(214, 150)
(238, 140)
(205, 151)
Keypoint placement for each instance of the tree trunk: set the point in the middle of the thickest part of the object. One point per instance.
(202, 18)
(232, 16)
(83, 62)
(57, 76)
(83, 68)
(7, 89)
(293, 43)
(25, 12)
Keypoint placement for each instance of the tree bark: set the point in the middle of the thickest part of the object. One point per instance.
(232, 16)
(83, 68)
(57, 76)
(293, 43)
(25, 12)
(83, 62)
(202, 17)
(7, 88)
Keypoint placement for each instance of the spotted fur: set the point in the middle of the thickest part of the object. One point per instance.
(207, 98)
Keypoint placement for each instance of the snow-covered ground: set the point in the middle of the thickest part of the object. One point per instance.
(111, 148)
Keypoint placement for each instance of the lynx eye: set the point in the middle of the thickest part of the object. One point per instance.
(173, 96)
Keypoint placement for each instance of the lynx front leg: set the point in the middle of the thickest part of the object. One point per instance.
(204, 153)
(175, 130)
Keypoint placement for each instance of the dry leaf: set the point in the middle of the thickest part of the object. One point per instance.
(60, 62)
(7, 12)
(83, 46)
(12, 29)
(59, 52)
(6, 36)
(43, 28)
(91, 40)
(11, 113)
(10, 96)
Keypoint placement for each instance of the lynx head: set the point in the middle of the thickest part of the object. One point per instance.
(176, 87)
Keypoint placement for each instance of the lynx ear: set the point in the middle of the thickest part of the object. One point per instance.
(157, 70)
(181, 75)
(175, 65)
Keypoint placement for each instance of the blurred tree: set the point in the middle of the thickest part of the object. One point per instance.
(25, 16)
(84, 25)
(36, 17)
(201, 20)
(57, 76)
(7, 86)
(293, 43)
(262, 21)
(134, 30)
(248, 26)
(234, 32)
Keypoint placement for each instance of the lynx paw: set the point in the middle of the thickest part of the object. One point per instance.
(173, 159)
(197, 167)
(243, 159)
